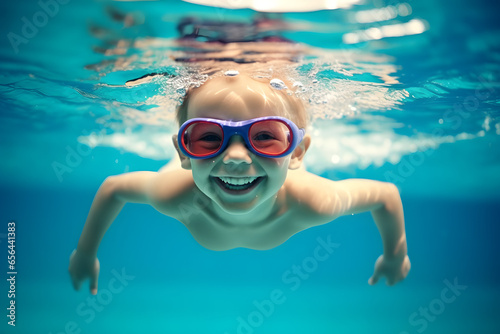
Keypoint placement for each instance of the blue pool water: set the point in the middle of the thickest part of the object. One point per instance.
(420, 110)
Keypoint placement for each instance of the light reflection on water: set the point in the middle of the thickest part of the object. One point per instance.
(371, 103)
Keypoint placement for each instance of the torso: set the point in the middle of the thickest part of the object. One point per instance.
(177, 196)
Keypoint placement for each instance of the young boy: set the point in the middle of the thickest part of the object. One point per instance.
(241, 145)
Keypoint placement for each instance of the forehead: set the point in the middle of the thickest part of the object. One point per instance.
(237, 98)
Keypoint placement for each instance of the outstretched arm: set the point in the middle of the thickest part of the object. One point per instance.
(114, 192)
(384, 202)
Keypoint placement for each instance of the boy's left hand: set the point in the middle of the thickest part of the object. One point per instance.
(394, 269)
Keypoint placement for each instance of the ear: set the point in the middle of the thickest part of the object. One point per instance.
(299, 152)
(185, 161)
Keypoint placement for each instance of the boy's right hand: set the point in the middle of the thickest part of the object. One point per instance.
(81, 267)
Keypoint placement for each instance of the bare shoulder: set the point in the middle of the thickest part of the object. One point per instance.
(325, 200)
(169, 188)
(311, 194)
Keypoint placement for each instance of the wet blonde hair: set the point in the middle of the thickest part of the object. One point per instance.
(297, 113)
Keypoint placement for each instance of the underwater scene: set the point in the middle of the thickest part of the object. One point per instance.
(405, 92)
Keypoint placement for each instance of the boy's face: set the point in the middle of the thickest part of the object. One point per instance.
(238, 98)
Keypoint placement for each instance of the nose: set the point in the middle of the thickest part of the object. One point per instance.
(236, 151)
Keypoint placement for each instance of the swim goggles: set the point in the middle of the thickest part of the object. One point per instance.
(270, 137)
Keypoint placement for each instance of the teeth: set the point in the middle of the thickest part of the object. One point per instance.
(237, 181)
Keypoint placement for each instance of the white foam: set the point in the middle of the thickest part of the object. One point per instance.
(335, 144)
(340, 146)
(146, 144)
(276, 6)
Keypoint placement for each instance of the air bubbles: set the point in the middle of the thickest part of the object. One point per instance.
(195, 84)
(404, 9)
(231, 73)
(278, 84)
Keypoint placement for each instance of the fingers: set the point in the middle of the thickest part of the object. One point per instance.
(374, 279)
(391, 281)
(93, 284)
(76, 283)
(93, 279)
(407, 265)
(93, 287)
(79, 273)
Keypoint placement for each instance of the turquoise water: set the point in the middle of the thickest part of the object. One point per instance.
(432, 128)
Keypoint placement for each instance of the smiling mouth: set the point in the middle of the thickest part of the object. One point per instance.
(238, 185)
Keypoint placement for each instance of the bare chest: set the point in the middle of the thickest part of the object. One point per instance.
(215, 234)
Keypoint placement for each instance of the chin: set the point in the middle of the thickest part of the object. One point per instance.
(238, 208)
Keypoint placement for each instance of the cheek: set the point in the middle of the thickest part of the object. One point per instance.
(202, 166)
(276, 168)
(275, 163)
(201, 169)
